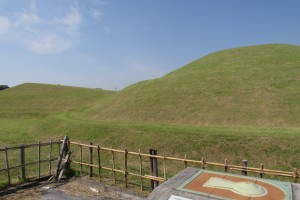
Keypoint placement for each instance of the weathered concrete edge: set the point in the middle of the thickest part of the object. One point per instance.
(169, 188)
(296, 191)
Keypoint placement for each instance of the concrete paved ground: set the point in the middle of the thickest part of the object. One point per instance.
(75, 189)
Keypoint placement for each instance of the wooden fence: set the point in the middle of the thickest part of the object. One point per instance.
(22, 164)
(154, 168)
(96, 161)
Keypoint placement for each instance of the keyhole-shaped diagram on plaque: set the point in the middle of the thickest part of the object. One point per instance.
(242, 188)
(228, 186)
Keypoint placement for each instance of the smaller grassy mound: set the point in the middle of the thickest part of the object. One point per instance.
(37, 100)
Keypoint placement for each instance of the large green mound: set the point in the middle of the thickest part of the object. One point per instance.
(33, 100)
(249, 86)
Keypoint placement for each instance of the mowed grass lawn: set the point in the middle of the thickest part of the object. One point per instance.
(276, 148)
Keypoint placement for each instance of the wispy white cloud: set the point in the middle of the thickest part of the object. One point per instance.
(40, 35)
(99, 2)
(5, 25)
(46, 33)
(49, 43)
(96, 14)
(27, 20)
(70, 21)
(32, 5)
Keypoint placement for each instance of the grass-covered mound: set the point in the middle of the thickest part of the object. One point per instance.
(248, 86)
(38, 100)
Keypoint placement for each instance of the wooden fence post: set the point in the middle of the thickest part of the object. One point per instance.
(59, 147)
(50, 157)
(68, 149)
(203, 162)
(126, 168)
(261, 170)
(185, 163)
(226, 165)
(99, 163)
(80, 158)
(113, 165)
(151, 169)
(39, 160)
(91, 159)
(141, 169)
(244, 165)
(165, 167)
(22, 159)
(295, 175)
(60, 157)
(154, 168)
(7, 165)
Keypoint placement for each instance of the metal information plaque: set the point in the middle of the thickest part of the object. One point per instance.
(173, 197)
(199, 184)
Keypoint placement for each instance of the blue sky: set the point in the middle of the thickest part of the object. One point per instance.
(111, 44)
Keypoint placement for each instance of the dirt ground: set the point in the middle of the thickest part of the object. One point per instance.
(26, 194)
(72, 189)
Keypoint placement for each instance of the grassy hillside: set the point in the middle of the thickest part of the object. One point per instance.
(238, 104)
(40, 100)
(249, 86)
(26, 106)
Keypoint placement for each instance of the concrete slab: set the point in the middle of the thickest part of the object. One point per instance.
(191, 184)
(296, 191)
(57, 194)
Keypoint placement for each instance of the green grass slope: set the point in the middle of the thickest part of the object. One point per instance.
(248, 86)
(193, 110)
(40, 100)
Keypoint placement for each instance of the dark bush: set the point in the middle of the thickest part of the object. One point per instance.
(3, 87)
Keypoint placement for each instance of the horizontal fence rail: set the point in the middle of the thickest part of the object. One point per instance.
(22, 161)
(244, 169)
